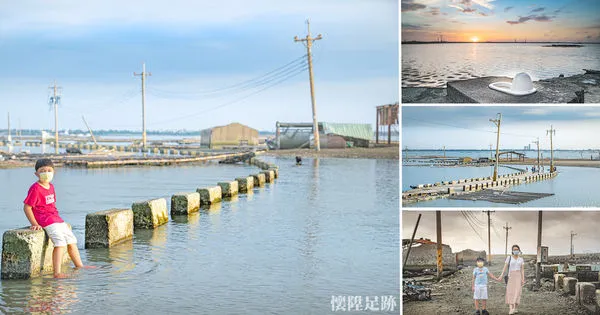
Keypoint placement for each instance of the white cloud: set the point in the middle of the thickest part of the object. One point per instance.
(484, 3)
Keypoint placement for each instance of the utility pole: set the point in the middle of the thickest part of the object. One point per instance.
(491, 156)
(539, 250)
(9, 139)
(489, 238)
(497, 122)
(54, 100)
(438, 224)
(538, 150)
(572, 248)
(444, 153)
(143, 75)
(308, 42)
(411, 241)
(506, 242)
(550, 132)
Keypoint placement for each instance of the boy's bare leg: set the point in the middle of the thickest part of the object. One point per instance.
(57, 255)
(476, 304)
(74, 254)
(483, 304)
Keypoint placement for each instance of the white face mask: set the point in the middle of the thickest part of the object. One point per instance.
(46, 177)
(515, 252)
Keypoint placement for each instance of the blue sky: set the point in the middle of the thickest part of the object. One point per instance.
(501, 20)
(92, 50)
(468, 127)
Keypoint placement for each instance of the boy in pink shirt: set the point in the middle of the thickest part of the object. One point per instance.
(40, 209)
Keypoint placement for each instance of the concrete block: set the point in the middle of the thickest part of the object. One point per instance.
(106, 228)
(210, 195)
(259, 180)
(450, 190)
(26, 254)
(275, 171)
(558, 281)
(569, 285)
(585, 293)
(420, 186)
(185, 203)
(465, 188)
(269, 176)
(245, 184)
(229, 189)
(437, 184)
(150, 214)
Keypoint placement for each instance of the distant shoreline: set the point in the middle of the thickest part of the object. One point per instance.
(468, 42)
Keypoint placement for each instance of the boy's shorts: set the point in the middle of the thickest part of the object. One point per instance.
(60, 234)
(480, 292)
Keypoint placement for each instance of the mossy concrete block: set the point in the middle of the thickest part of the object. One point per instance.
(185, 203)
(229, 189)
(558, 281)
(210, 195)
(245, 184)
(569, 285)
(259, 180)
(150, 214)
(275, 171)
(269, 176)
(26, 254)
(106, 228)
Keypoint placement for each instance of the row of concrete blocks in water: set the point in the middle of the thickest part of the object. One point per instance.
(460, 181)
(584, 292)
(27, 253)
(119, 148)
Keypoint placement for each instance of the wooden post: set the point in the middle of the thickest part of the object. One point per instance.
(440, 266)
(411, 241)
(377, 127)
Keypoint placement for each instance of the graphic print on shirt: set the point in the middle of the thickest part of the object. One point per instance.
(49, 199)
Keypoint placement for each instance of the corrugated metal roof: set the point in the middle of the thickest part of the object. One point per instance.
(359, 131)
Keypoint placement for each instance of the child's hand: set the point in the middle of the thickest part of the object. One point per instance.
(35, 227)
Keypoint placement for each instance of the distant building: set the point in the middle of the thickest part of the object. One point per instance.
(232, 134)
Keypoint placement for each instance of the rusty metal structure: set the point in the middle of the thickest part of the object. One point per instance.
(387, 115)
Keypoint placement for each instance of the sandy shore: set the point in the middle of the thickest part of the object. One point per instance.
(392, 152)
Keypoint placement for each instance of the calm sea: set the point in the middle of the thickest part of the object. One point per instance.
(573, 187)
(558, 154)
(326, 228)
(432, 65)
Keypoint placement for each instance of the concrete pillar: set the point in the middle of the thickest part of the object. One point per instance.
(229, 189)
(585, 293)
(26, 254)
(259, 180)
(106, 228)
(569, 285)
(245, 184)
(150, 214)
(210, 195)
(269, 176)
(185, 203)
(275, 171)
(451, 190)
(558, 281)
(465, 188)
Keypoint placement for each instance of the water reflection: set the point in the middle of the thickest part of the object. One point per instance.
(52, 296)
(214, 215)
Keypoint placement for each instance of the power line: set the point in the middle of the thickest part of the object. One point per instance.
(233, 101)
(288, 67)
(466, 218)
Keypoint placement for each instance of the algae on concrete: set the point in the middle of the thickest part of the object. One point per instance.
(229, 189)
(245, 183)
(26, 254)
(150, 214)
(185, 203)
(259, 180)
(106, 228)
(210, 195)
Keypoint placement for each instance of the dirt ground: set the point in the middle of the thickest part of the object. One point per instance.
(453, 295)
(392, 152)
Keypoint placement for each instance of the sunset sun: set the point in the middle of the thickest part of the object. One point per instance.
(474, 39)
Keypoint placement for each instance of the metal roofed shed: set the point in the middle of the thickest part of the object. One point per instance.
(333, 135)
(232, 134)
